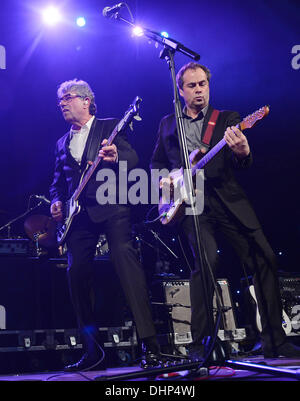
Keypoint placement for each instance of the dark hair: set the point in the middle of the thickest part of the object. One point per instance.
(190, 66)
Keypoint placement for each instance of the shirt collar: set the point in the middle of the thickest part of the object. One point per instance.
(85, 128)
(201, 114)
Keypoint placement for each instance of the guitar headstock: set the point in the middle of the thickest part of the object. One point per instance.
(249, 121)
(133, 111)
(135, 107)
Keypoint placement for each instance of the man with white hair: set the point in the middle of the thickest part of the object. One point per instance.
(73, 151)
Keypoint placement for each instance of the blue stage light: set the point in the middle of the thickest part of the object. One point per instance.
(164, 34)
(80, 21)
(137, 31)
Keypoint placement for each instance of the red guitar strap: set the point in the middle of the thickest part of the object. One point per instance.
(210, 129)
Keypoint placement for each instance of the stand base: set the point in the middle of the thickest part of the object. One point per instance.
(197, 369)
(255, 367)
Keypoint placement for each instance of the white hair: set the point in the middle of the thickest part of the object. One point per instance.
(79, 87)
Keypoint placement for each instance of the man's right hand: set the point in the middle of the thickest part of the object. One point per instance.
(56, 210)
(165, 182)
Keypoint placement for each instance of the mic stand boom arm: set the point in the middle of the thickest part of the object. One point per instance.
(170, 43)
(7, 225)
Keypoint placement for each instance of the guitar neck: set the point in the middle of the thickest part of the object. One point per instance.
(96, 163)
(206, 158)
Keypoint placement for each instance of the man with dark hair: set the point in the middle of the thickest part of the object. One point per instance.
(226, 210)
(73, 151)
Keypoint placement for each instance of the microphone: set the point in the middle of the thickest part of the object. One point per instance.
(42, 198)
(110, 11)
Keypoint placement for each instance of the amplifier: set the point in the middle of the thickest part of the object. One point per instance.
(14, 246)
(290, 295)
(289, 286)
(177, 298)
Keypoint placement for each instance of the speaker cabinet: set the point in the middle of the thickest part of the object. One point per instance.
(177, 299)
(289, 287)
(290, 295)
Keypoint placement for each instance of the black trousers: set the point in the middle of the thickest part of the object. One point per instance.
(81, 243)
(254, 252)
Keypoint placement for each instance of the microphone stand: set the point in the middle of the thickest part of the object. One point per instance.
(7, 225)
(168, 54)
(170, 47)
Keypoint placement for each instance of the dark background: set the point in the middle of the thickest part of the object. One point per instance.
(248, 47)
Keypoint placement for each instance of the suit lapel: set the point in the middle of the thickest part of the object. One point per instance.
(91, 144)
(66, 148)
(91, 147)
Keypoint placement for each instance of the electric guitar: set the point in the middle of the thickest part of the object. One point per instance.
(286, 322)
(72, 205)
(171, 209)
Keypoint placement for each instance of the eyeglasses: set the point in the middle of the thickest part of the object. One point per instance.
(67, 99)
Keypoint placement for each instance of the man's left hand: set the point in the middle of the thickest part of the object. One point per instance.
(237, 142)
(108, 153)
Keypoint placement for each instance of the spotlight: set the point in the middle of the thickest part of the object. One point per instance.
(51, 16)
(164, 34)
(138, 31)
(80, 21)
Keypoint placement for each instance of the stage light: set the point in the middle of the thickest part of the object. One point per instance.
(80, 21)
(51, 16)
(138, 31)
(164, 34)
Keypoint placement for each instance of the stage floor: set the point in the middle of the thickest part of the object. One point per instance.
(227, 372)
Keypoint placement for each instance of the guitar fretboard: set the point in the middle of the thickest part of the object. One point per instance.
(206, 158)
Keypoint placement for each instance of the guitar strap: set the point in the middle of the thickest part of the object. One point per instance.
(205, 142)
(91, 144)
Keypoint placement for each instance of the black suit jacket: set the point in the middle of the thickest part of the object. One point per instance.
(219, 171)
(67, 171)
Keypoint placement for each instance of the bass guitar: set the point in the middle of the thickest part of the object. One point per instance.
(171, 208)
(72, 205)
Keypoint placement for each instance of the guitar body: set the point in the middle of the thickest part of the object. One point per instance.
(72, 208)
(172, 206)
(171, 213)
